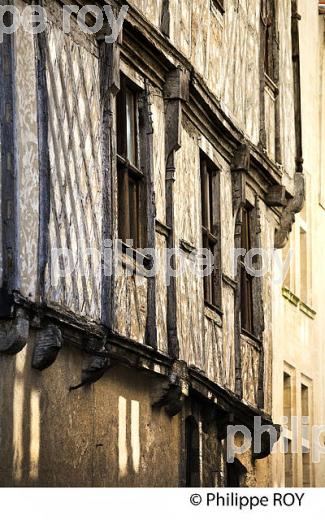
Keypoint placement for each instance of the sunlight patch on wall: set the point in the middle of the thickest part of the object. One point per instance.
(18, 410)
(122, 440)
(35, 425)
(135, 435)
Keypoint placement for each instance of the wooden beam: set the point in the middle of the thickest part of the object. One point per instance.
(43, 159)
(9, 162)
(109, 70)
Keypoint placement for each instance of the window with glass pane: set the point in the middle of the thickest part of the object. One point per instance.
(131, 181)
(288, 464)
(270, 37)
(287, 399)
(210, 203)
(246, 278)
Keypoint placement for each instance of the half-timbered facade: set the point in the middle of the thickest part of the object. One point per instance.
(183, 134)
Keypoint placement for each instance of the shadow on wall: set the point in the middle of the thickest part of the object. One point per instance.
(105, 435)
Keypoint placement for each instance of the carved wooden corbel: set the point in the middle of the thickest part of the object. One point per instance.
(239, 169)
(173, 393)
(47, 347)
(110, 61)
(276, 197)
(14, 334)
(93, 372)
(296, 203)
(145, 103)
(176, 91)
(294, 206)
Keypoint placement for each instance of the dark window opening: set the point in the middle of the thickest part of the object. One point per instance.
(247, 320)
(270, 39)
(287, 398)
(288, 465)
(131, 180)
(192, 447)
(236, 474)
(210, 204)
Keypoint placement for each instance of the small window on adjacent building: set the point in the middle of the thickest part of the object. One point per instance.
(306, 468)
(131, 181)
(304, 401)
(306, 436)
(247, 321)
(287, 257)
(303, 266)
(287, 400)
(210, 194)
(288, 465)
(305, 413)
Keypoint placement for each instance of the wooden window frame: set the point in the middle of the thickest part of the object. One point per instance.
(270, 40)
(211, 232)
(131, 183)
(246, 279)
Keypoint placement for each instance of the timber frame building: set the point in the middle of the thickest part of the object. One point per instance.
(184, 133)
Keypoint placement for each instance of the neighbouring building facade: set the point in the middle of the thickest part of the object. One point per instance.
(298, 333)
(185, 133)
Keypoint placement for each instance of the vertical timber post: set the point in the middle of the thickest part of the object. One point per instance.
(40, 42)
(239, 170)
(109, 69)
(9, 164)
(147, 158)
(176, 92)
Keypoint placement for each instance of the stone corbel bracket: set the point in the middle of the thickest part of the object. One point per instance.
(14, 334)
(97, 365)
(172, 393)
(294, 206)
(48, 344)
